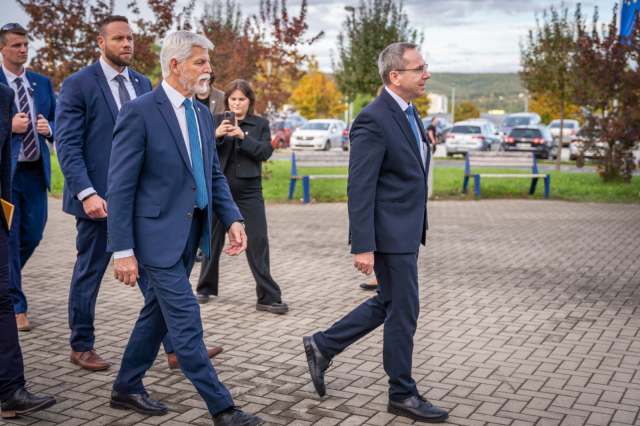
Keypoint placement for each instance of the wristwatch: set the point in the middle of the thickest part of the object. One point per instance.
(88, 196)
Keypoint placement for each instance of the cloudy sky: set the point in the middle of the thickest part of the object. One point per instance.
(460, 35)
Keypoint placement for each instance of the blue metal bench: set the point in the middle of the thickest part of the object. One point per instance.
(313, 159)
(501, 160)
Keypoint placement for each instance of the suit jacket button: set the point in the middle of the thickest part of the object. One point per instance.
(189, 215)
(193, 188)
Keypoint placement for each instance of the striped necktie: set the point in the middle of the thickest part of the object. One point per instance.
(29, 140)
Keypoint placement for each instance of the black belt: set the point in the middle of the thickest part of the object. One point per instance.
(25, 166)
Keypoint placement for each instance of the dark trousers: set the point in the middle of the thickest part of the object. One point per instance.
(29, 196)
(91, 264)
(170, 305)
(396, 305)
(247, 194)
(11, 367)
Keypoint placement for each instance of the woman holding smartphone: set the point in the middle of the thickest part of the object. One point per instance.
(243, 141)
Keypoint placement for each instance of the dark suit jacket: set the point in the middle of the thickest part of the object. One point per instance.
(151, 186)
(6, 115)
(85, 118)
(44, 100)
(250, 152)
(387, 186)
(216, 101)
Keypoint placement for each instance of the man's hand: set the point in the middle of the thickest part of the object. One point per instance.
(43, 126)
(237, 240)
(20, 123)
(95, 207)
(364, 263)
(125, 270)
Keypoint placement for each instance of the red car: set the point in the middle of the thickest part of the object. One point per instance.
(281, 131)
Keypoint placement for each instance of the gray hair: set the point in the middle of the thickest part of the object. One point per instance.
(179, 46)
(392, 58)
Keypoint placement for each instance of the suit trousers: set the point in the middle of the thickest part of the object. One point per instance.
(396, 305)
(247, 194)
(29, 195)
(171, 305)
(11, 366)
(91, 265)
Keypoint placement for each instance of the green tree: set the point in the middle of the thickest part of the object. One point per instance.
(466, 110)
(375, 25)
(546, 58)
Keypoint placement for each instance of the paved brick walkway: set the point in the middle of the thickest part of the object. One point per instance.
(529, 316)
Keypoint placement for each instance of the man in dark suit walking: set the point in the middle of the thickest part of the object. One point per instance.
(387, 190)
(14, 397)
(87, 110)
(164, 185)
(32, 125)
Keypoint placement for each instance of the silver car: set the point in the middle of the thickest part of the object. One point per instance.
(472, 135)
(518, 119)
(318, 135)
(570, 129)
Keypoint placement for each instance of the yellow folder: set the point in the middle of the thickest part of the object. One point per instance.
(8, 209)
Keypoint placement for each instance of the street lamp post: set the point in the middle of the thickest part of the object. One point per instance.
(353, 11)
(453, 102)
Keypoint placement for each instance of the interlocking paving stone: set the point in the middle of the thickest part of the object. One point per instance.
(529, 316)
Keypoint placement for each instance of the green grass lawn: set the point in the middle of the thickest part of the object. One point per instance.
(583, 187)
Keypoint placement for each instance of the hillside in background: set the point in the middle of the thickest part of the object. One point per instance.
(484, 90)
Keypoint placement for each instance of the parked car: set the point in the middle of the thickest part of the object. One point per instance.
(570, 129)
(518, 119)
(472, 135)
(281, 131)
(442, 127)
(301, 120)
(536, 139)
(318, 134)
(346, 146)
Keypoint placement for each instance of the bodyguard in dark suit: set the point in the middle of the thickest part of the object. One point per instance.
(387, 190)
(32, 125)
(14, 397)
(242, 147)
(164, 185)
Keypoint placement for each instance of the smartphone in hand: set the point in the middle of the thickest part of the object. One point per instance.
(231, 116)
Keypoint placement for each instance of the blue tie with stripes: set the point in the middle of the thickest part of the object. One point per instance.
(412, 122)
(29, 140)
(196, 156)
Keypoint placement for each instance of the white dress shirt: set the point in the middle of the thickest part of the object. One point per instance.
(176, 99)
(110, 73)
(404, 107)
(11, 79)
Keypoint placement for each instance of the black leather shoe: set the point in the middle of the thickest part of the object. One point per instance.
(22, 402)
(419, 409)
(202, 298)
(370, 287)
(317, 364)
(138, 402)
(232, 416)
(274, 308)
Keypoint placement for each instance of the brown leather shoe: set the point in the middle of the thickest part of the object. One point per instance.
(23, 322)
(89, 360)
(173, 360)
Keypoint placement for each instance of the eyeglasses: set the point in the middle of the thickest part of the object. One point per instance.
(9, 27)
(419, 70)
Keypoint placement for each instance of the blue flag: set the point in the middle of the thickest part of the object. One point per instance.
(627, 16)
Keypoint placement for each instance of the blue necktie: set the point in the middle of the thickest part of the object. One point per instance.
(412, 121)
(196, 156)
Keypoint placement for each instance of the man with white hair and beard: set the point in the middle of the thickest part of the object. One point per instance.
(87, 109)
(164, 184)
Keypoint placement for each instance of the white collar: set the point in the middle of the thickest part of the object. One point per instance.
(176, 98)
(11, 77)
(398, 99)
(110, 73)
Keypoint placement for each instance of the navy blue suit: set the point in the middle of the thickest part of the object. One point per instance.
(29, 189)
(85, 118)
(387, 190)
(11, 366)
(151, 197)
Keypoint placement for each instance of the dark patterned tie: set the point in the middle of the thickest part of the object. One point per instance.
(29, 140)
(123, 93)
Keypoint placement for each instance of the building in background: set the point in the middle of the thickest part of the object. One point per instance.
(439, 104)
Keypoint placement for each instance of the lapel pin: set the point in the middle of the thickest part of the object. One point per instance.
(34, 83)
(246, 133)
(136, 80)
